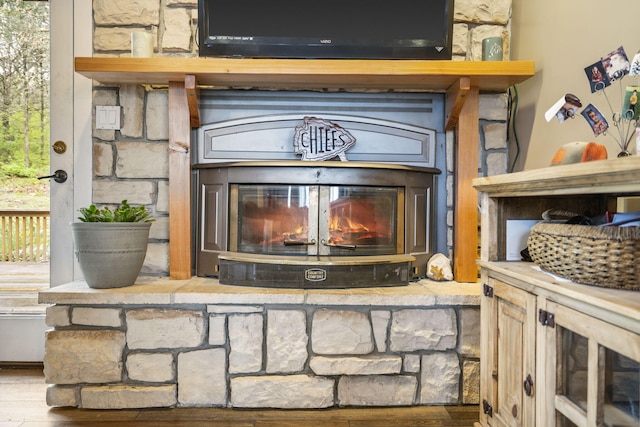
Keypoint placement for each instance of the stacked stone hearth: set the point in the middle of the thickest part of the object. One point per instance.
(389, 348)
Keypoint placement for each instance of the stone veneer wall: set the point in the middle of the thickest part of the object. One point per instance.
(411, 346)
(132, 163)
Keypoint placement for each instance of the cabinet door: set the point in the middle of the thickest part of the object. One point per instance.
(592, 371)
(508, 356)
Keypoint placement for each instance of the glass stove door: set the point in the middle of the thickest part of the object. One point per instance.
(274, 219)
(358, 220)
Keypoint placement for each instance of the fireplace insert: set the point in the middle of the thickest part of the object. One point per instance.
(313, 224)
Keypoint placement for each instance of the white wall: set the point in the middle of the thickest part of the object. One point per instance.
(564, 37)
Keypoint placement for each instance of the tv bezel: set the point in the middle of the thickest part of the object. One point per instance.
(303, 48)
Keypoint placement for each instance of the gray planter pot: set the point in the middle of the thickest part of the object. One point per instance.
(110, 254)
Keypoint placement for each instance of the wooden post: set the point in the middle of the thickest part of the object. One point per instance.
(465, 214)
(179, 183)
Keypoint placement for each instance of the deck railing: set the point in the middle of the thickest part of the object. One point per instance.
(24, 236)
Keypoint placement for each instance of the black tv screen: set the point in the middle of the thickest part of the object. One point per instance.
(394, 29)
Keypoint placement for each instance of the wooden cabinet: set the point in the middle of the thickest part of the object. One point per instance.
(508, 354)
(554, 352)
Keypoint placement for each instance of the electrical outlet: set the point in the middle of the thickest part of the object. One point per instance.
(107, 117)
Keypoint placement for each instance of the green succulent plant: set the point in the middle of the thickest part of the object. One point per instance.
(123, 213)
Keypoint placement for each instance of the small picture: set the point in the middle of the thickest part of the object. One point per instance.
(565, 108)
(595, 119)
(616, 64)
(597, 76)
(635, 65)
(630, 107)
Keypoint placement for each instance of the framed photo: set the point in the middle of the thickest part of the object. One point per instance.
(596, 120)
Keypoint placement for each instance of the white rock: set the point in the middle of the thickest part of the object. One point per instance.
(276, 391)
(377, 390)
(341, 332)
(439, 268)
(287, 341)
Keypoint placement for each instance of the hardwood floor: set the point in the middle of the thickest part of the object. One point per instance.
(22, 404)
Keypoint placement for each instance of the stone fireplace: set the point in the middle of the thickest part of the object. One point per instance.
(196, 342)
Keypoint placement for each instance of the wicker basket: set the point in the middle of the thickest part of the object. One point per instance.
(600, 256)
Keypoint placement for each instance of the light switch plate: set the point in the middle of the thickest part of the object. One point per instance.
(107, 117)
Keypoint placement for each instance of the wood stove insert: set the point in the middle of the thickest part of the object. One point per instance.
(326, 224)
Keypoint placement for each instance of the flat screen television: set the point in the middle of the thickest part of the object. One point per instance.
(392, 29)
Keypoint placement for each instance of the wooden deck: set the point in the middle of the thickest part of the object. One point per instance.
(20, 283)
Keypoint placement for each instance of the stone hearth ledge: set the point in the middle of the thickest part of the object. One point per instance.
(200, 290)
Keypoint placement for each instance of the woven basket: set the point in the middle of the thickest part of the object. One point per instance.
(608, 257)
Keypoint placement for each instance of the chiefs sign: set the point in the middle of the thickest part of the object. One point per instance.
(319, 139)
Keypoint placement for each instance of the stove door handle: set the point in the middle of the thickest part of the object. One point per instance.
(332, 245)
(298, 243)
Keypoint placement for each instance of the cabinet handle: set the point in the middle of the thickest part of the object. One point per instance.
(528, 386)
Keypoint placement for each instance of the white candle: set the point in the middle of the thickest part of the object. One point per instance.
(141, 44)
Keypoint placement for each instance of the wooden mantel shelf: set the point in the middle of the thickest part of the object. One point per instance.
(308, 73)
(461, 80)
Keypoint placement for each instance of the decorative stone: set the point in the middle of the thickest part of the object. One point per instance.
(150, 367)
(202, 377)
(127, 397)
(469, 329)
(102, 159)
(370, 365)
(411, 363)
(152, 328)
(245, 343)
(377, 390)
(287, 341)
(63, 396)
(380, 322)
(495, 136)
(217, 330)
(109, 317)
(481, 11)
(126, 12)
(57, 315)
(177, 33)
(471, 382)
(135, 192)
(285, 392)
(157, 115)
(341, 332)
(132, 102)
(440, 379)
(142, 160)
(429, 329)
(157, 259)
(439, 268)
(77, 356)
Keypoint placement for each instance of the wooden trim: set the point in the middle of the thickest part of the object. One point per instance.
(465, 208)
(308, 74)
(179, 183)
(190, 85)
(455, 101)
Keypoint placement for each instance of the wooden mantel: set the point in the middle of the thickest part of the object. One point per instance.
(461, 80)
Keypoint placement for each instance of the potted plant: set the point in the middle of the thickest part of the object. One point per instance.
(111, 245)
